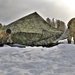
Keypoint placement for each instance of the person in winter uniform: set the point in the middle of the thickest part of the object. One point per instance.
(71, 33)
(5, 37)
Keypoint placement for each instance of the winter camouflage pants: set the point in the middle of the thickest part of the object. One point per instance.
(70, 35)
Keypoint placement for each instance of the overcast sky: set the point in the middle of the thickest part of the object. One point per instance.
(11, 10)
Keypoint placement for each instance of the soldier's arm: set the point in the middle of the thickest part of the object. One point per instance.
(2, 35)
(10, 39)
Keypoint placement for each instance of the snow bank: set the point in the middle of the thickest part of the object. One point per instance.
(57, 60)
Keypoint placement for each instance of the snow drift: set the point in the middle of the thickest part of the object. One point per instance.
(57, 60)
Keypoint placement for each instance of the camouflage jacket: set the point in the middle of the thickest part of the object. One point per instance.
(4, 38)
(71, 26)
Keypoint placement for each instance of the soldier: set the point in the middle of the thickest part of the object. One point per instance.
(71, 33)
(5, 37)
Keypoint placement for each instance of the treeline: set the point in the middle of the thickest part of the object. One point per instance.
(58, 24)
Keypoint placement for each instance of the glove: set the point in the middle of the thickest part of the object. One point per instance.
(1, 44)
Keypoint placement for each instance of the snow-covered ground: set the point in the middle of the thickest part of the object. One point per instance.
(57, 60)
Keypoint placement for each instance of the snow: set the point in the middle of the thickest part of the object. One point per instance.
(57, 60)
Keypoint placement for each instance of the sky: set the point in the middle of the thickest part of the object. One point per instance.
(11, 10)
